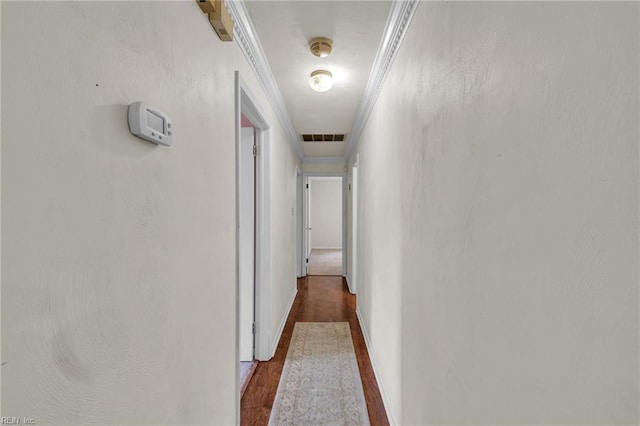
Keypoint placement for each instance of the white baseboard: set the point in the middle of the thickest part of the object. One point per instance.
(348, 279)
(283, 321)
(326, 248)
(376, 372)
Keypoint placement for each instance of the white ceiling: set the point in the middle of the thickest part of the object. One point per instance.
(284, 29)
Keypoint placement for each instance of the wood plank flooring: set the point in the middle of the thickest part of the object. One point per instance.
(318, 299)
(325, 262)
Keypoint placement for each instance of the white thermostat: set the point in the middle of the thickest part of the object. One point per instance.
(148, 123)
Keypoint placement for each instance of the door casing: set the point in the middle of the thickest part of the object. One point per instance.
(247, 244)
(352, 274)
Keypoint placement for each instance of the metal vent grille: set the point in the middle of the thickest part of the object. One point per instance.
(323, 138)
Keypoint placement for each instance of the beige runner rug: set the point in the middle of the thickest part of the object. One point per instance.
(320, 382)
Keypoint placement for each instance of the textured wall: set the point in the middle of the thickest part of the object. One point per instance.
(323, 168)
(326, 212)
(283, 232)
(498, 277)
(118, 280)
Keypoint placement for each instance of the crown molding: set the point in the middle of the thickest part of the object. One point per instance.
(247, 38)
(323, 160)
(400, 16)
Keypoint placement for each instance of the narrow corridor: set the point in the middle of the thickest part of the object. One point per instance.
(319, 299)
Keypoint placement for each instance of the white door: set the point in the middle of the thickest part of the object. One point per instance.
(247, 243)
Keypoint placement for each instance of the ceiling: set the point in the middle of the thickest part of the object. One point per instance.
(284, 29)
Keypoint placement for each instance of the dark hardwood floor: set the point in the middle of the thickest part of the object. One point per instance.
(319, 298)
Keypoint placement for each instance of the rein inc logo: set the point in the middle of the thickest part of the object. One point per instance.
(17, 421)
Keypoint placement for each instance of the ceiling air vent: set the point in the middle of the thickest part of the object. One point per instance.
(323, 138)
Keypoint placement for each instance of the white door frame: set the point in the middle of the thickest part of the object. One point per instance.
(303, 244)
(353, 273)
(246, 104)
(246, 244)
(300, 264)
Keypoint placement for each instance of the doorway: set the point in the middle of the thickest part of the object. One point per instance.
(253, 232)
(247, 250)
(324, 226)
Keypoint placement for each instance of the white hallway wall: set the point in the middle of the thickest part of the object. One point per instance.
(498, 277)
(326, 213)
(323, 168)
(118, 279)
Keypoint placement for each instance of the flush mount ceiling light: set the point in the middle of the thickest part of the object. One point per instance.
(320, 46)
(321, 80)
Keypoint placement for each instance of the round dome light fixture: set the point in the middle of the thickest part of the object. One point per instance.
(321, 80)
(321, 46)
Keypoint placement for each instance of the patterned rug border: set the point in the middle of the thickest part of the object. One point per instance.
(299, 329)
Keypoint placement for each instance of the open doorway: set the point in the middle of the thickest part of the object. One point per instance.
(253, 235)
(247, 250)
(324, 225)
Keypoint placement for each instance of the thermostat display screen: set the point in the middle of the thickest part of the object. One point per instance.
(155, 122)
(149, 123)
